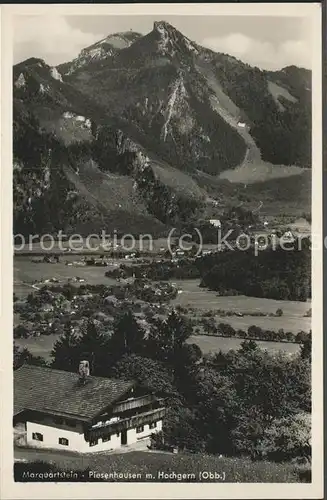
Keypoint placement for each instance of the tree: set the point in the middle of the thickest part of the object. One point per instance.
(191, 355)
(247, 435)
(269, 387)
(212, 400)
(289, 336)
(287, 438)
(306, 348)
(21, 331)
(226, 330)
(181, 428)
(128, 336)
(150, 374)
(65, 352)
(248, 346)
(168, 337)
(301, 337)
(94, 347)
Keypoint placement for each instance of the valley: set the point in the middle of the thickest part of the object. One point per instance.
(240, 312)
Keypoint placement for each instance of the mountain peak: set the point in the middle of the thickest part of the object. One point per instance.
(101, 50)
(162, 25)
(31, 62)
(116, 41)
(167, 31)
(170, 39)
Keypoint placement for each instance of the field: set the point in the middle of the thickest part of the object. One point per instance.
(39, 346)
(277, 91)
(290, 195)
(202, 300)
(26, 272)
(207, 344)
(260, 171)
(236, 470)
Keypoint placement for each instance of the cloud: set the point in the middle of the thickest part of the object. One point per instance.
(49, 37)
(266, 55)
(57, 39)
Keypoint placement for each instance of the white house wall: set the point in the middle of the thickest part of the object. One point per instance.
(76, 438)
(113, 444)
(51, 437)
(133, 436)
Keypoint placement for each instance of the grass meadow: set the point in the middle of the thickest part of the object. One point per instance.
(148, 465)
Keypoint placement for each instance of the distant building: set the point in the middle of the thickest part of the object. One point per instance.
(67, 114)
(288, 236)
(206, 252)
(215, 222)
(241, 124)
(79, 412)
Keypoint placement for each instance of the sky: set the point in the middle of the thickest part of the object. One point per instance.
(267, 42)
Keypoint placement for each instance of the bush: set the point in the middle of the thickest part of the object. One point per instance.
(288, 438)
(226, 330)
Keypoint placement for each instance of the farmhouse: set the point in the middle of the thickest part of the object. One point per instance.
(79, 412)
(215, 222)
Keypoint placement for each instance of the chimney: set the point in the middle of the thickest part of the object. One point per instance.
(83, 371)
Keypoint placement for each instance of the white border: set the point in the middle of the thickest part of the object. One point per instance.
(11, 490)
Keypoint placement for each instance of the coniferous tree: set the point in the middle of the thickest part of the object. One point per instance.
(167, 341)
(94, 347)
(65, 351)
(128, 336)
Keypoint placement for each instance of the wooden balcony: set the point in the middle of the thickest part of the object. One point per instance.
(126, 423)
(132, 403)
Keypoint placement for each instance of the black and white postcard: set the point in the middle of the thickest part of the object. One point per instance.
(161, 251)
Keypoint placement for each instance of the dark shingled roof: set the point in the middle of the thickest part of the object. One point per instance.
(60, 392)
